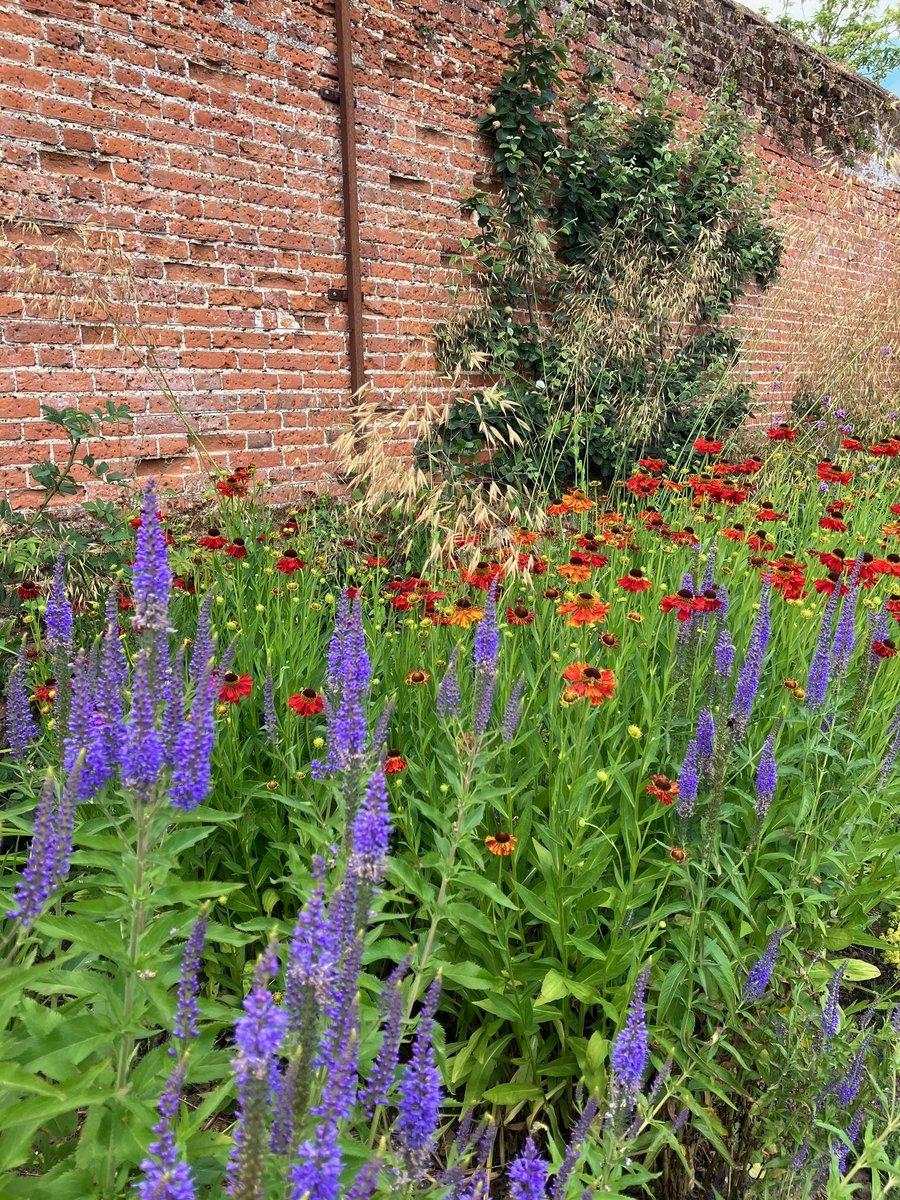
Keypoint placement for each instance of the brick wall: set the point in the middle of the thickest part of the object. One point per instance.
(172, 170)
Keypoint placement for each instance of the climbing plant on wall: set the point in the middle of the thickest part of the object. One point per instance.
(605, 259)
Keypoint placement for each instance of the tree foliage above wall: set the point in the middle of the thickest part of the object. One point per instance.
(604, 261)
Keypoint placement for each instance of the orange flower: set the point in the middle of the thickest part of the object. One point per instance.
(502, 844)
(464, 614)
(634, 581)
(576, 501)
(664, 789)
(394, 763)
(415, 678)
(596, 684)
(585, 609)
(576, 570)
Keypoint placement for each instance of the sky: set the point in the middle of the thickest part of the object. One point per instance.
(800, 8)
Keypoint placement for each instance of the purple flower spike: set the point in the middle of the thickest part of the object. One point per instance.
(831, 1013)
(187, 1013)
(51, 847)
(420, 1091)
(384, 1069)
(820, 669)
(371, 831)
(21, 727)
(58, 620)
(761, 971)
(152, 580)
(688, 781)
(449, 701)
(486, 646)
(258, 1035)
(573, 1149)
(166, 1175)
(751, 672)
(706, 739)
(192, 771)
(528, 1175)
(512, 715)
(142, 758)
(270, 717)
(631, 1049)
(766, 777)
(846, 1090)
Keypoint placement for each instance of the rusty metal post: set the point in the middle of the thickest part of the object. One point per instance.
(350, 195)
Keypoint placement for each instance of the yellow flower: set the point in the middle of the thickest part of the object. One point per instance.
(635, 731)
(329, 598)
(318, 742)
(27, 619)
(806, 612)
(221, 708)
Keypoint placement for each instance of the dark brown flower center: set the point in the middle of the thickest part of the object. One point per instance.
(230, 677)
(309, 693)
(501, 838)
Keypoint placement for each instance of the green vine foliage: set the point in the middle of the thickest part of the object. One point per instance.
(604, 263)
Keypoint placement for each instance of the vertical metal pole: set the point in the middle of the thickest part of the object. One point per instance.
(350, 195)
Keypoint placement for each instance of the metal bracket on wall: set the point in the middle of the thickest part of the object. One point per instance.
(350, 194)
(337, 295)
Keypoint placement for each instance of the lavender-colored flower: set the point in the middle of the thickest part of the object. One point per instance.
(142, 753)
(270, 717)
(173, 715)
(204, 644)
(449, 701)
(82, 728)
(21, 727)
(365, 1183)
(485, 688)
(371, 831)
(109, 699)
(845, 631)
(895, 1019)
(166, 1175)
(821, 666)
(317, 1173)
(706, 739)
(58, 620)
(192, 767)
(801, 1156)
(486, 645)
(51, 847)
(681, 1119)
(573, 1149)
(313, 954)
(152, 579)
(724, 655)
(346, 694)
(846, 1089)
(841, 1147)
(512, 714)
(478, 1185)
(631, 1049)
(419, 1089)
(761, 971)
(766, 777)
(187, 1012)
(893, 749)
(528, 1175)
(258, 1035)
(751, 672)
(384, 1069)
(688, 779)
(831, 1013)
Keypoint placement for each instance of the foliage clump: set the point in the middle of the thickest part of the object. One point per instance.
(606, 260)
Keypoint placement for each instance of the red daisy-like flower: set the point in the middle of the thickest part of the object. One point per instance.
(893, 607)
(735, 533)
(634, 581)
(212, 540)
(28, 590)
(181, 584)
(886, 449)
(895, 509)
(374, 561)
(708, 601)
(851, 444)
(781, 432)
(235, 688)
(45, 691)
(827, 585)
(520, 614)
(237, 549)
(307, 703)
(642, 485)
(829, 473)
(653, 465)
(885, 649)
(482, 575)
(889, 565)
(290, 562)
(585, 609)
(665, 790)
(833, 524)
(394, 763)
(705, 445)
(768, 512)
(682, 603)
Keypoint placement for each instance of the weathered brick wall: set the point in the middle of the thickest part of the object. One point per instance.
(192, 137)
